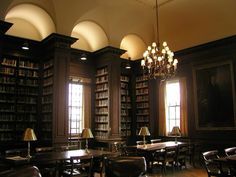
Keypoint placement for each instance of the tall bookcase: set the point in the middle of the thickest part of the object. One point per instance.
(102, 103)
(46, 123)
(19, 91)
(125, 123)
(142, 102)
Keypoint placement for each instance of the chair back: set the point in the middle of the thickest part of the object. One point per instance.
(141, 142)
(78, 166)
(43, 149)
(29, 171)
(170, 153)
(230, 151)
(212, 167)
(125, 166)
(155, 141)
(16, 152)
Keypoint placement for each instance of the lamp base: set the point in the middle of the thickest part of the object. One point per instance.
(28, 156)
(176, 142)
(87, 151)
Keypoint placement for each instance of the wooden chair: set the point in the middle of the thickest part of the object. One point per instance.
(48, 168)
(155, 141)
(213, 168)
(230, 151)
(166, 157)
(16, 152)
(29, 171)
(140, 142)
(181, 155)
(125, 166)
(79, 166)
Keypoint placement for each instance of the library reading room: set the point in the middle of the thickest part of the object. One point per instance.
(117, 88)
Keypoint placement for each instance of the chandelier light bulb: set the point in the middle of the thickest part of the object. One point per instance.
(149, 60)
(163, 51)
(143, 62)
(164, 44)
(154, 44)
(149, 48)
(170, 60)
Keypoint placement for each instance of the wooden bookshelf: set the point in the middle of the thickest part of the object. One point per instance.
(125, 123)
(47, 100)
(142, 102)
(19, 91)
(102, 104)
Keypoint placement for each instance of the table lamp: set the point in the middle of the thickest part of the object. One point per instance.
(86, 133)
(175, 132)
(29, 135)
(144, 132)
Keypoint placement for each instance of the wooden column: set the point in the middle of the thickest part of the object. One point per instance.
(58, 48)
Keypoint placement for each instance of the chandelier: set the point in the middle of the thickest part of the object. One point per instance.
(158, 61)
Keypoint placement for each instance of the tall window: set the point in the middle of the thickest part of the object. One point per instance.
(76, 118)
(172, 105)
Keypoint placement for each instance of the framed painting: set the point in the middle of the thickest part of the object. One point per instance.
(214, 96)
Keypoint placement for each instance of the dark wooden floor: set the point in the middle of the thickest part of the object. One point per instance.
(190, 171)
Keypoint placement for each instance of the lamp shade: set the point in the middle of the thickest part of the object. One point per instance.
(29, 135)
(86, 133)
(144, 131)
(175, 131)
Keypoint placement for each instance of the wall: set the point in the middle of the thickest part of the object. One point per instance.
(205, 55)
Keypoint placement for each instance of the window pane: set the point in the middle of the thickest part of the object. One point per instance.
(75, 103)
(172, 105)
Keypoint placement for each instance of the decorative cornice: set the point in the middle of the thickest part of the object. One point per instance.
(109, 49)
(4, 26)
(59, 40)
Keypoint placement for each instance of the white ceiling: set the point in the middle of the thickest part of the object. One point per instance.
(182, 23)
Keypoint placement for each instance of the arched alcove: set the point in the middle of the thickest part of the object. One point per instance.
(134, 46)
(91, 36)
(30, 21)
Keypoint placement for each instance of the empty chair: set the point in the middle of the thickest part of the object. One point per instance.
(79, 166)
(181, 155)
(16, 152)
(166, 157)
(141, 142)
(29, 171)
(125, 166)
(155, 141)
(48, 168)
(230, 151)
(44, 149)
(213, 168)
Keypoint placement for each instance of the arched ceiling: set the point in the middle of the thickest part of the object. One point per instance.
(30, 21)
(133, 44)
(182, 23)
(91, 36)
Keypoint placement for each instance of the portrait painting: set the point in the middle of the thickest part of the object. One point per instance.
(214, 96)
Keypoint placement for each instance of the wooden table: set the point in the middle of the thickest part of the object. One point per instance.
(65, 155)
(158, 146)
(148, 150)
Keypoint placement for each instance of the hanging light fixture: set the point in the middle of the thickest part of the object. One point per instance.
(159, 62)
